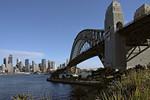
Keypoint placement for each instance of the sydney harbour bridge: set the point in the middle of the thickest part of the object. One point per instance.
(118, 45)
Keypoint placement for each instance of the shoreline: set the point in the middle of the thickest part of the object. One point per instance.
(87, 83)
(23, 73)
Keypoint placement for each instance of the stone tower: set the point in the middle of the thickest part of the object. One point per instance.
(115, 55)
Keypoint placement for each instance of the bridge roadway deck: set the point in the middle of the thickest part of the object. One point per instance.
(94, 51)
(137, 32)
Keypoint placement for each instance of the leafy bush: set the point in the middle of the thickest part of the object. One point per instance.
(135, 87)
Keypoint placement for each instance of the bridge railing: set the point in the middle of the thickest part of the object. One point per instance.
(118, 29)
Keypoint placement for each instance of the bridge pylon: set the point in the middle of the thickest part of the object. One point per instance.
(115, 53)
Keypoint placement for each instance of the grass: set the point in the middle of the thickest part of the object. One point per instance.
(134, 86)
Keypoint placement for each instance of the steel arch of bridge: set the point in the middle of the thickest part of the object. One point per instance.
(89, 36)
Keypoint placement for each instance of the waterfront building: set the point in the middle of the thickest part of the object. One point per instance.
(27, 65)
(40, 66)
(35, 68)
(10, 64)
(10, 68)
(43, 65)
(30, 67)
(53, 66)
(33, 64)
(5, 62)
(10, 59)
(3, 68)
(49, 64)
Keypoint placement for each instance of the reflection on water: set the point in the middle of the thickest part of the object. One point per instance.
(36, 85)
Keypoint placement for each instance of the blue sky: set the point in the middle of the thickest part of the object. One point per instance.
(37, 29)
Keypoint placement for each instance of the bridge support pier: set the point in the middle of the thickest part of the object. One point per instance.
(115, 53)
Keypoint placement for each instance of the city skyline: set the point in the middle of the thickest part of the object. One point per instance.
(46, 29)
(8, 67)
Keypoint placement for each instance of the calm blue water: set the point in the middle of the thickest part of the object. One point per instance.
(36, 85)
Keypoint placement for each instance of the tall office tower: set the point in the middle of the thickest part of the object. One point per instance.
(67, 62)
(49, 64)
(18, 60)
(27, 65)
(36, 68)
(10, 64)
(40, 66)
(10, 68)
(43, 65)
(52, 65)
(33, 64)
(5, 62)
(10, 59)
(3, 68)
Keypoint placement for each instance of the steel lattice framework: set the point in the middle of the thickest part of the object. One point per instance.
(85, 40)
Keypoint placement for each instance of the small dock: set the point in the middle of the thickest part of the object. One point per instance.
(78, 82)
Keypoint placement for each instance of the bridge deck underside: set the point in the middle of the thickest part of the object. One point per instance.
(137, 33)
(94, 51)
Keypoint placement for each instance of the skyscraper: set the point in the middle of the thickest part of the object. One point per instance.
(67, 62)
(5, 62)
(40, 66)
(27, 65)
(33, 64)
(10, 61)
(36, 68)
(3, 68)
(53, 65)
(10, 64)
(43, 65)
(49, 64)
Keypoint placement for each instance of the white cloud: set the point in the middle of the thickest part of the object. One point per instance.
(20, 54)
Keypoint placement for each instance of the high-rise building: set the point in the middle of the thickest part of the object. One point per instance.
(18, 60)
(40, 66)
(10, 64)
(27, 65)
(5, 62)
(10, 61)
(67, 62)
(3, 68)
(33, 64)
(43, 65)
(36, 68)
(10, 68)
(52, 65)
(49, 64)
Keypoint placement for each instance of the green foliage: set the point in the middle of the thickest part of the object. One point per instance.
(79, 93)
(29, 97)
(21, 97)
(136, 86)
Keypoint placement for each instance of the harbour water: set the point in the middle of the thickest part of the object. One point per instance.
(35, 85)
